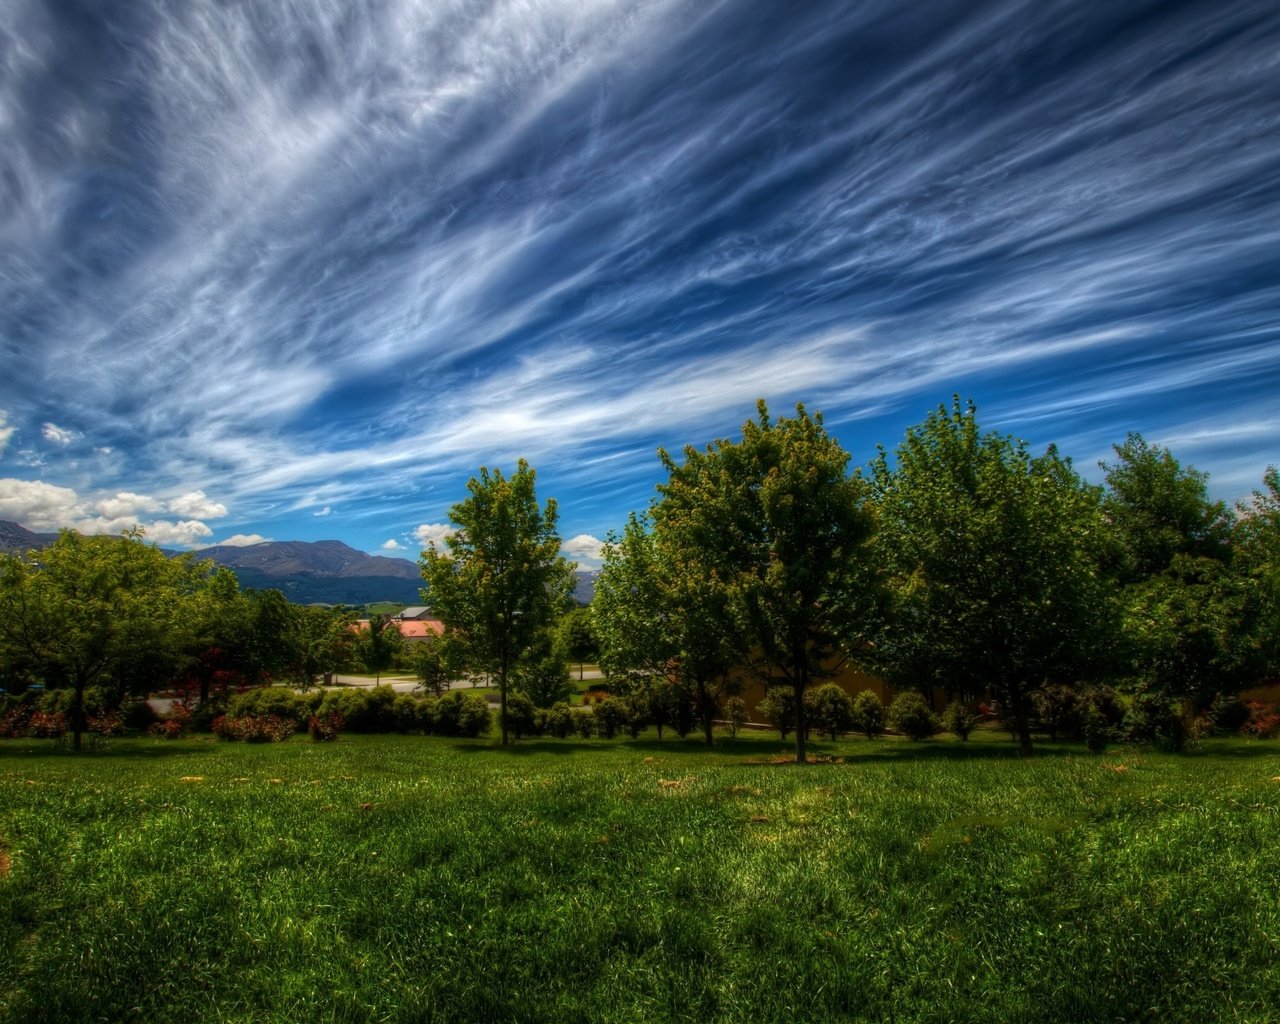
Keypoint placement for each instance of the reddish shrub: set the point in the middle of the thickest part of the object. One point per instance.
(325, 727)
(1263, 722)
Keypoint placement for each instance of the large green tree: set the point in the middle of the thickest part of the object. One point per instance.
(501, 579)
(1189, 617)
(991, 558)
(91, 611)
(1257, 559)
(775, 527)
(378, 643)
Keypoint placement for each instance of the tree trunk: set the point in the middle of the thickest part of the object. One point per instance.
(502, 699)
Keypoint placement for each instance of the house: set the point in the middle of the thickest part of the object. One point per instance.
(415, 613)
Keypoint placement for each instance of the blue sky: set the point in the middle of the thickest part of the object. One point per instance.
(296, 271)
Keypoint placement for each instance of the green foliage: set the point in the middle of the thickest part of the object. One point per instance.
(777, 707)
(992, 559)
(959, 719)
(1057, 709)
(771, 532)
(663, 625)
(1155, 718)
(830, 710)
(321, 640)
(459, 713)
(437, 662)
(521, 720)
(735, 714)
(543, 673)
(577, 637)
(1158, 510)
(1095, 729)
(610, 717)
(910, 715)
(273, 701)
(502, 580)
(378, 644)
(868, 714)
(88, 611)
(558, 721)
(1257, 559)
(413, 714)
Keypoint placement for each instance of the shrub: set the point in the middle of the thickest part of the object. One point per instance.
(609, 717)
(959, 719)
(268, 701)
(910, 715)
(1057, 707)
(137, 715)
(254, 728)
(172, 726)
(735, 714)
(584, 723)
(1155, 718)
(829, 709)
(521, 714)
(47, 725)
(325, 728)
(1263, 722)
(868, 714)
(778, 708)
(412, 714)
(1094, 728)
(462, 714)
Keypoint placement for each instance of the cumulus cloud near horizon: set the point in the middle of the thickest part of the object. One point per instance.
(584, 549)
(392, 545)
(243, 540)
(433, 534)
(42, 506)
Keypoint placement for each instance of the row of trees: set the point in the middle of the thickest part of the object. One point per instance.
(960, 562)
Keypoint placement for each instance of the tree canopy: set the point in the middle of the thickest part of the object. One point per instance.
(992, 559)
(501, 579)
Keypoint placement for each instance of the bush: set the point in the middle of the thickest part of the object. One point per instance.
(47, 725)
(868, 714)
(910, 715)
(1057, 707)
(462, 714)
(778, 708)
(269, 701)
(735, 714)
(325, 728)
(254, 728)
(1263, 722)
(412, 714)
(1095, 730)
(959, 719)
(609, 716)
(521, 714)
(1155, 718)
(829, 709)
(585, 724)
(558, 721)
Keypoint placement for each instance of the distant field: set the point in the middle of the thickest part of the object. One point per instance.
(403, 878)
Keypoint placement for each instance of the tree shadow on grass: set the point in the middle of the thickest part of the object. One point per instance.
(42, 750)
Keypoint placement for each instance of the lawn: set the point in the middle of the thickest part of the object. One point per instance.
(406, 878)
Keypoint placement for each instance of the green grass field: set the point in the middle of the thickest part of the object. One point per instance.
(402, 878)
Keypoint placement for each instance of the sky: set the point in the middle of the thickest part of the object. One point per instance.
(294, 271)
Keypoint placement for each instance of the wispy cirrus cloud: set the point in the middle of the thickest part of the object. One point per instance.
(340, 257)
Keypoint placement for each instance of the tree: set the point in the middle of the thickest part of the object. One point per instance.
(578, 637)
(502, 579)
(1189, 615)
(775, 529)
(377, 645)
(1257, 559)
(543, 673)
(661, 624)
(98, 610)
(1157, 510)
(991, 558)
(321, 640)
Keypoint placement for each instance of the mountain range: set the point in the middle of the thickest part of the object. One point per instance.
(306, 572)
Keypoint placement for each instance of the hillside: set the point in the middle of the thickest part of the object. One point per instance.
(306, 572)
